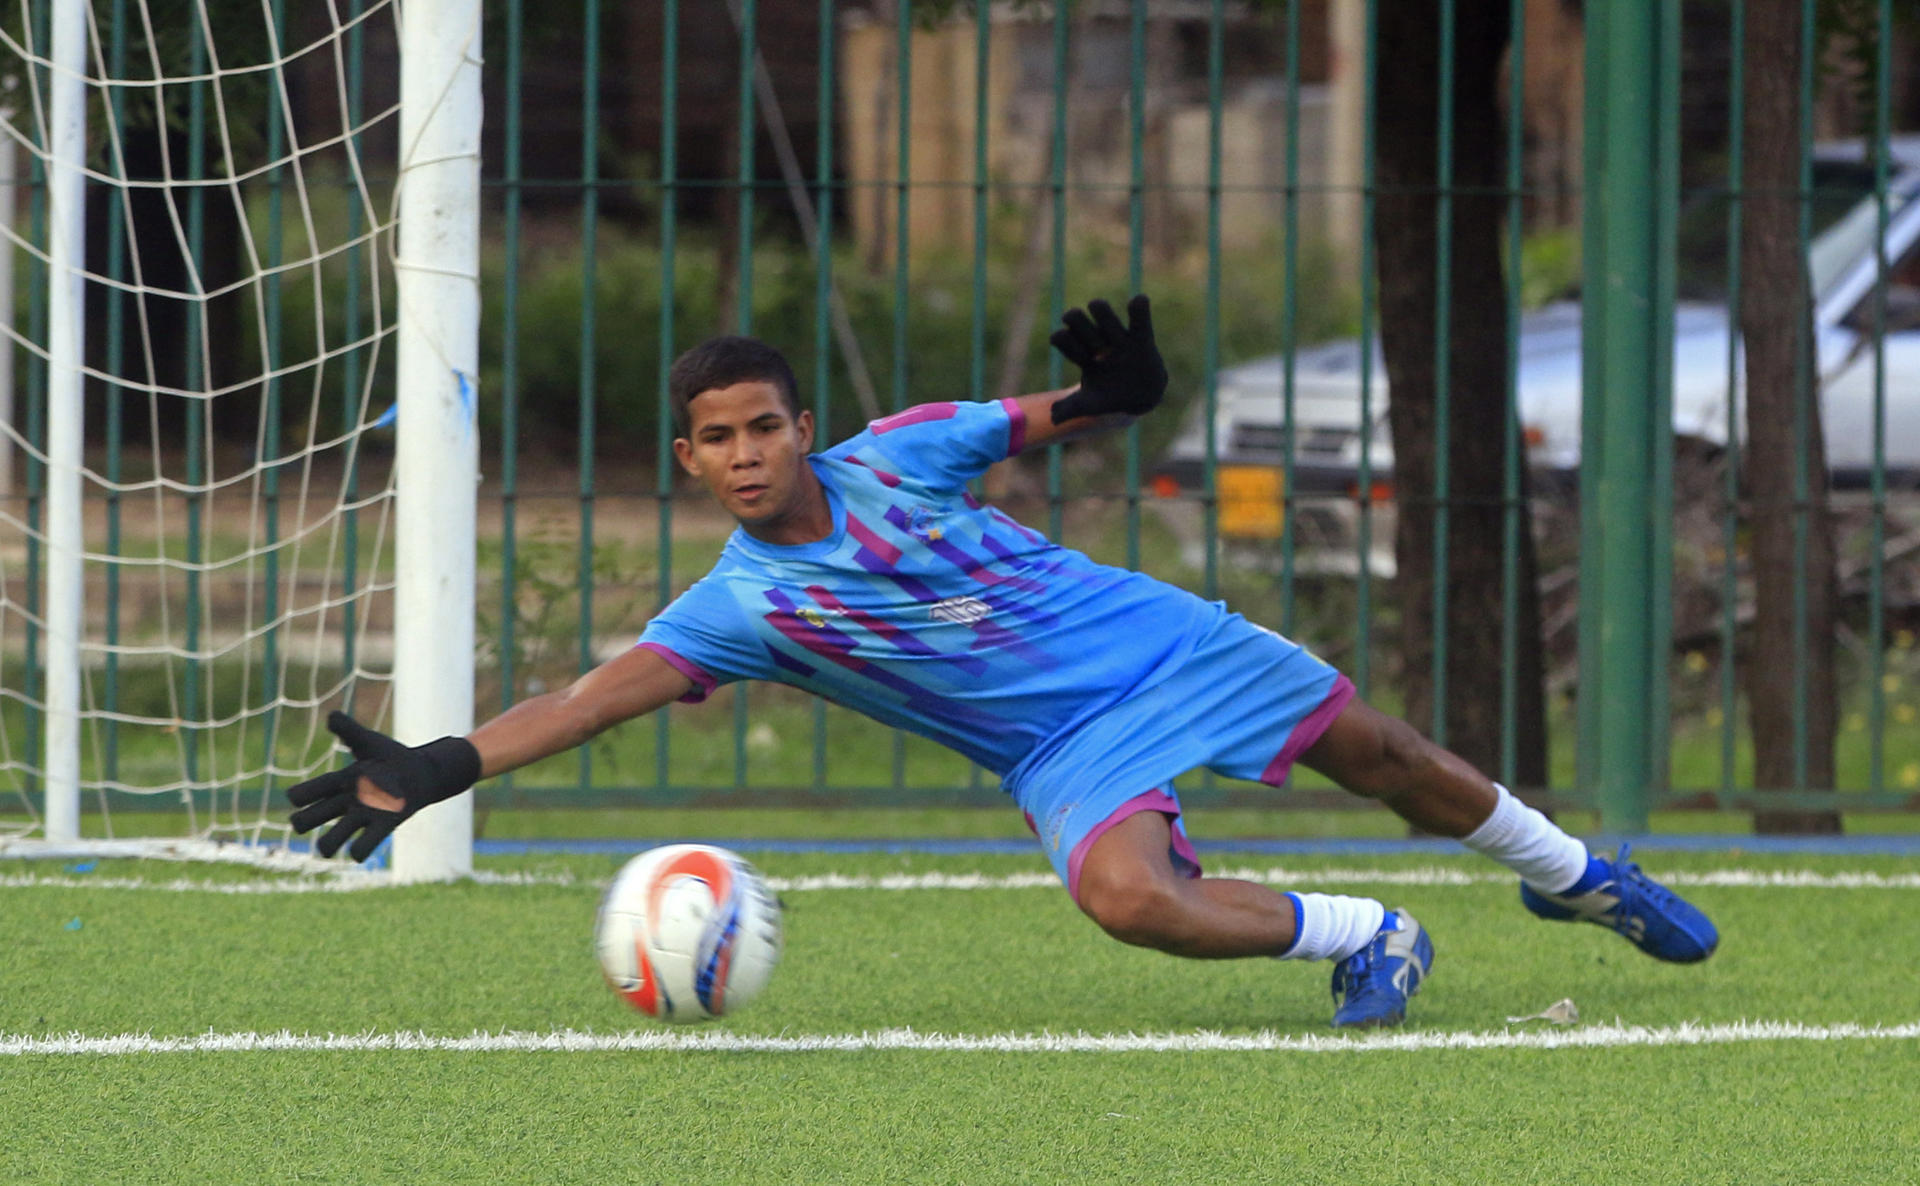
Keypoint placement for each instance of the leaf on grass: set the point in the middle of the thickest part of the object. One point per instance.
(1561, 1012)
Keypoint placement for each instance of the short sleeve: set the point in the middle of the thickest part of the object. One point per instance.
(703, 635)
(942, 446)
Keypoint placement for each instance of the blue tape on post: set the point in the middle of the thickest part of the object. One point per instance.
(469, 403)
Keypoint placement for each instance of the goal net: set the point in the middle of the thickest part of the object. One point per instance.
(207, 534)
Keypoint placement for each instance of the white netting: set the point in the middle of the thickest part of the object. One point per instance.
(237, 568)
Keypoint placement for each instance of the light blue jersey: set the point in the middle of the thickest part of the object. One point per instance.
(1086, 688)
(928, 611)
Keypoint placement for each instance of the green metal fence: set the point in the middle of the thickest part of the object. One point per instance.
(1625, 738)
(586, 541)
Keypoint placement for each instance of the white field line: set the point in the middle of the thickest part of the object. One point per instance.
(337, 884)
(1275, 875)
(723, 1042)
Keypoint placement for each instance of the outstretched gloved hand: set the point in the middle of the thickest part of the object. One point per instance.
(1120, 368)
(416, 775)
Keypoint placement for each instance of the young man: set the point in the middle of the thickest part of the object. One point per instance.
(869, 575)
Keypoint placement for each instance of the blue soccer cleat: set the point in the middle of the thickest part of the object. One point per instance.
(1376, 981)
(1651, 916)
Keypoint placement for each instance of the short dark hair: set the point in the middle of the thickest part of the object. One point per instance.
(722, 362)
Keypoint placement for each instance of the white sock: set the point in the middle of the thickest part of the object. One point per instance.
(1530, 844)
(1333, 927)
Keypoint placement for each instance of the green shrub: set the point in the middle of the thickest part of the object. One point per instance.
(940, 360)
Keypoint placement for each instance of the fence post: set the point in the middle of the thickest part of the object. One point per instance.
(1632, 170)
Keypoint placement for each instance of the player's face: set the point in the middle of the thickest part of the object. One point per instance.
(751, 451)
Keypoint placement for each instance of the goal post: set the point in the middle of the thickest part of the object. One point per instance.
(65, 400)
(276, 324)
(438, 274)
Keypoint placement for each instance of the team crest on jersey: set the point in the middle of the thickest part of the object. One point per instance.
(812, 617)
(964, 610)
(921, 525)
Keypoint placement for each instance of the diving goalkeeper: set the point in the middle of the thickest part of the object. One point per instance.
(867, 574)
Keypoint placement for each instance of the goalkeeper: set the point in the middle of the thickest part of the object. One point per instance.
(867, 574)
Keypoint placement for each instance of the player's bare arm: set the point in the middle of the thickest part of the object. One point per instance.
(634, 684)
(390, 781)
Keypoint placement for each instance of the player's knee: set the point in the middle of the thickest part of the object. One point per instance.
(1142, 911)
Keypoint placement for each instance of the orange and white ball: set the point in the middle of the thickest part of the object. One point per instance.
(688, 932)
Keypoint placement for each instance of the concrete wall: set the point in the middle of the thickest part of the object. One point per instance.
(1174, 145)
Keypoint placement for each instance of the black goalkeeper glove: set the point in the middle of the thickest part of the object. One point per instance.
(1120, 367)
(417, 775)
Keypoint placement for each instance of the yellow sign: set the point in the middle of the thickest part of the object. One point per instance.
(1250, 501)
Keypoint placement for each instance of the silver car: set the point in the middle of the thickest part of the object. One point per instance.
(1251, 437)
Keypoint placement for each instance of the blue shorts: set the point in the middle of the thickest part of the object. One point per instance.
(1244, 706)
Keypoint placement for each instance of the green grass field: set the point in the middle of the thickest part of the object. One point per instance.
(1232, 1074)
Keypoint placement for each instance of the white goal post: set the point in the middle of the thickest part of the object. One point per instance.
(438, 271)
(268, 587)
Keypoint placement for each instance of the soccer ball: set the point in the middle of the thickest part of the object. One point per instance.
(687, 932)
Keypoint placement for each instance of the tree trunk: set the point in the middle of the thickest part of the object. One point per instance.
(1776, 322)
(1406, 238)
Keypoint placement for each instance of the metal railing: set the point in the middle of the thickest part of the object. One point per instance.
(1088, 228)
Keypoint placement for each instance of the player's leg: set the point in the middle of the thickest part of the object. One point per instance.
(1140, 879)
(1129, 884)
(1380, 757)
(1375, 755)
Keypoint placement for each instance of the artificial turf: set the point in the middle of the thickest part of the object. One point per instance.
(455, 959)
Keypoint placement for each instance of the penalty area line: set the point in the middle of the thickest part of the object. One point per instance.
(1280, 875)
(725, 1042)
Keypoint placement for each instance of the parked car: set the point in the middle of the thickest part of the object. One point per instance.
(1252, 438)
